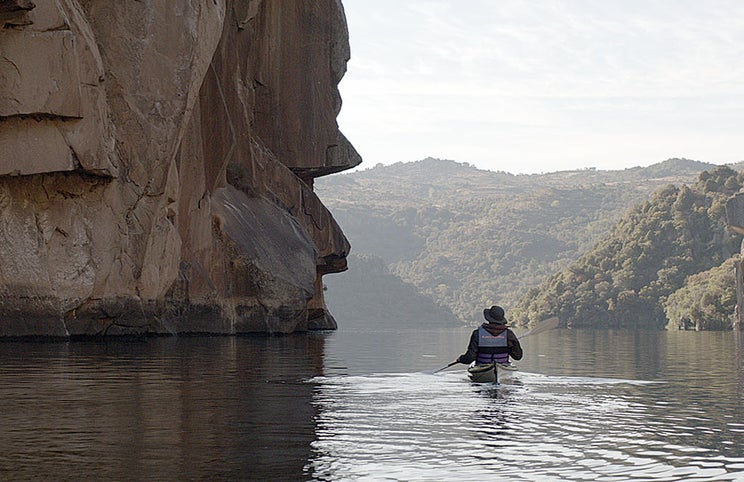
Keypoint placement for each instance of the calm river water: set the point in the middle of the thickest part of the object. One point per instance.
(358, 404)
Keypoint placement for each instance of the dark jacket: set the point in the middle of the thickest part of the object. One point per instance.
(515, 349)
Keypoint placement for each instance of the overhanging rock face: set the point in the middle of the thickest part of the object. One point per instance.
(156, 165)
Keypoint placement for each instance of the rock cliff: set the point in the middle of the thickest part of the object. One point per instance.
(157, 162)
(735, 222)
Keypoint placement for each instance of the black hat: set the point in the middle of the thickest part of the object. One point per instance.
(495, 314)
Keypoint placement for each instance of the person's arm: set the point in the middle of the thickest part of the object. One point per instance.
(469, 356)
(515, 349)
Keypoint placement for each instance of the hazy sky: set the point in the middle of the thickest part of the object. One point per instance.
(545, 85)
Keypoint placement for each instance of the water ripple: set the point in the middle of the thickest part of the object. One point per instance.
(425, 427)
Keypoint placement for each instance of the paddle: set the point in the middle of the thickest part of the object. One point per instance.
(444, 368)
(544, 325)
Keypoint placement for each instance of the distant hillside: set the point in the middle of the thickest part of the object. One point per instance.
(386, 298)
(468, 238)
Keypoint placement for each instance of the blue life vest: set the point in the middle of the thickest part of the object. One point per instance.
(492, 348)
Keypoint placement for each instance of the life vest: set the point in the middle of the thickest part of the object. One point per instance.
(492, 348)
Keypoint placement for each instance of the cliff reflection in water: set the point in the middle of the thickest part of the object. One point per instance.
(161, 408)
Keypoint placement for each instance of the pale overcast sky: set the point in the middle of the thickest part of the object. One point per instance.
(545, 85)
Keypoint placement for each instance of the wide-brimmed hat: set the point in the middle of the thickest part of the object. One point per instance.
(495, 314)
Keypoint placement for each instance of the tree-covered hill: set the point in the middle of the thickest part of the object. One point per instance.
(706, 301)
(662, 259)
(468, 238)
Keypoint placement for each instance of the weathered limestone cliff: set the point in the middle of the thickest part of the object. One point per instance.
(735, 221)
(157, 161)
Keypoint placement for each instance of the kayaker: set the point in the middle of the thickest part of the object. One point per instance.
(492, 341)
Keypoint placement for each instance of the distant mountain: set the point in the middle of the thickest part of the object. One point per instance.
(671, 168)
(467, 238)
(385, 298)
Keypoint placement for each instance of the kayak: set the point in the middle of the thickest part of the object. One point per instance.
(487, 373)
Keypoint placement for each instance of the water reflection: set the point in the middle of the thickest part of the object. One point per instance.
(363, 404)
(165, 409)
(586, 406)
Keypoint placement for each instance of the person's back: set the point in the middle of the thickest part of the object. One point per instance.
(492, 342)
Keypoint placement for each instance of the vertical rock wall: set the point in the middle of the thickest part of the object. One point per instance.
(735, 221)
(156, 165)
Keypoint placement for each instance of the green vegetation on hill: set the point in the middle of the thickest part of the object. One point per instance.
(468, 238)
(636, 277)
(706, 301)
